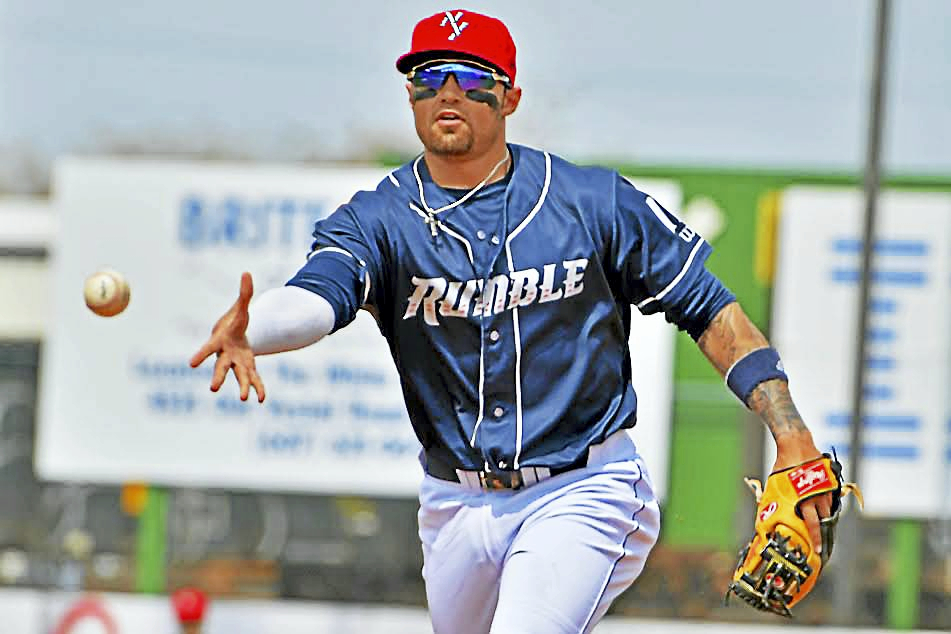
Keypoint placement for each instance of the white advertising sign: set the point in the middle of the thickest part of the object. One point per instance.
(118, 400)
(652, 364)
(907, 434)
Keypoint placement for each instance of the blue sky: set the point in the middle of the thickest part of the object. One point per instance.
(738, 83)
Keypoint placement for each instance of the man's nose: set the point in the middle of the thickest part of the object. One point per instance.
(451, 88)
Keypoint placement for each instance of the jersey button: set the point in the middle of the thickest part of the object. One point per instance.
(498, 411)
(494, 335)
(495, 240)
(480, 234)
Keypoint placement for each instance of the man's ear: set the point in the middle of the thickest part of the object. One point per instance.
(510, 100)
(409, 92)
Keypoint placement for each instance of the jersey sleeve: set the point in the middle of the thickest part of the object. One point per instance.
(659, 261)
(342, 266)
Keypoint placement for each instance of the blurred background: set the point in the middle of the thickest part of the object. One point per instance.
(183, 142)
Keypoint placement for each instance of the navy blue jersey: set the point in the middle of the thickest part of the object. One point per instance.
(507, 311)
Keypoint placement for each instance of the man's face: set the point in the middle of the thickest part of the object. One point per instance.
(454, 122)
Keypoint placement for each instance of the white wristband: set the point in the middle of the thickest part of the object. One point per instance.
(288, 318)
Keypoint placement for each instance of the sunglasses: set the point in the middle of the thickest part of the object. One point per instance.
(468, 76)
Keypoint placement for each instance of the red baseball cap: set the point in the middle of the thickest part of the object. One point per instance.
(462, 35)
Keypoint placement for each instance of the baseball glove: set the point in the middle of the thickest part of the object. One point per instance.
(780, 565)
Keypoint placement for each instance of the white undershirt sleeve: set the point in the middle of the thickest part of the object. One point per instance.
(288, 318)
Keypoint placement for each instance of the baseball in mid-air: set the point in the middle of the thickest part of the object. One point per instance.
(107, 293)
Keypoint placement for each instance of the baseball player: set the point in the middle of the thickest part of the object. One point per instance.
(503, 278)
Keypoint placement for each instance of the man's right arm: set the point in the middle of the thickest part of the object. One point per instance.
(282, 319)
(323, 296)
(288, 318)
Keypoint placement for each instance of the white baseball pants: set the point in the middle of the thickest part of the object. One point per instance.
(547, 559)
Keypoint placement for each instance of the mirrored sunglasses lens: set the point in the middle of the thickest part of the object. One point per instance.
(474, 79)
(467, 77)
(427, 78)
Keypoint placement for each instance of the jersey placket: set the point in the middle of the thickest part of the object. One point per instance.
(500, 379)
(494, 435)
(497, 432)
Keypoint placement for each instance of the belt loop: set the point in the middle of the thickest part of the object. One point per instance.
(529, 476)
(469, 479)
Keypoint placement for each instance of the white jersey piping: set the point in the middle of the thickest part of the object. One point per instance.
(676, 280)
(478, 422)
(331, 250)
(366, 274)
(518, 340)
(660, 214)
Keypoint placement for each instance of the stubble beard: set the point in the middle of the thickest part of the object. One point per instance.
(449, 143)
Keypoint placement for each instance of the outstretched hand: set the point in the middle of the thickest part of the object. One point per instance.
(229, 341)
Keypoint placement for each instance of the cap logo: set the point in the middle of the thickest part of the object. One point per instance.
(453, 21)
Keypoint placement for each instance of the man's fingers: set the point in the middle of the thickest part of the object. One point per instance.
(811, 517)
(258, 385)
(203, 353)
(241, 373)
(222, 365)
(232, 325)
(247, 290)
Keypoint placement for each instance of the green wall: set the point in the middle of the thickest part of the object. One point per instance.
(711, 430)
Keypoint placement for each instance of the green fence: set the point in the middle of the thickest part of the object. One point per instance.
(713, 436)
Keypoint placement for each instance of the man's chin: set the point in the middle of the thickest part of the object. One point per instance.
(449, 144)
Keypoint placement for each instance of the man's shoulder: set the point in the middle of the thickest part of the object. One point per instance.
(389, 192)
(565, 173)
(569, 168)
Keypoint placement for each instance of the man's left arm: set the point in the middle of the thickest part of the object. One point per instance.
(732, 342)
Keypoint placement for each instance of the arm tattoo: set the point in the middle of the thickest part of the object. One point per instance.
(771, 400)
(731, 336)
(719, 341)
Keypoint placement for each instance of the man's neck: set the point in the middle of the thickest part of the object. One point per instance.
(456, 172)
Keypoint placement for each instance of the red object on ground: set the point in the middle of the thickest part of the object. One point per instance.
(189, 604)
(86, 608)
